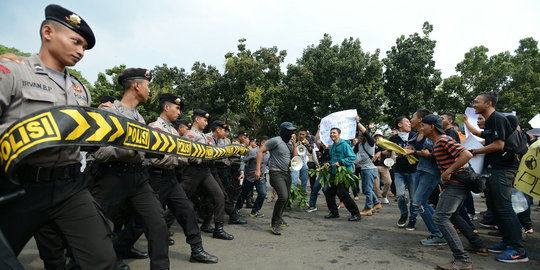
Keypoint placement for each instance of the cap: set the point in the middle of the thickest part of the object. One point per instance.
(219, 123)
(242, 133)
(378, 132)
(134, 73)
(287, 125)
(72, 21)
(434, 120)
(200, 113)
(106, 98)
(534, 132)
(168, 97)
(184, 122)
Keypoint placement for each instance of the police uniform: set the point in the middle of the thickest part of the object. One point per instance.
(55, 188)
(162, 179)
(123, 181)
(198, 173)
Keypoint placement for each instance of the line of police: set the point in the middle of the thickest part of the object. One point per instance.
(66, 210)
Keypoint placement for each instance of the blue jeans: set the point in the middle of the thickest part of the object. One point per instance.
(426, 184)
(368, 176)
(304, 177)
(411, 180)
(447, 214)
(315, 192)
(247, 186)
(499, 200)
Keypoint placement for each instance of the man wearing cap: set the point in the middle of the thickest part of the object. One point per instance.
(282, 149)
(198, 173)
(55, 188)
(183, 127)
(163, 181)
(123, 180)
(451, 157)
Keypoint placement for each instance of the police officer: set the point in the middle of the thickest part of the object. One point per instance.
(220, 171)
(55, 188)
(163, 181)
(198, 173)
(123, 180)
(183, 127)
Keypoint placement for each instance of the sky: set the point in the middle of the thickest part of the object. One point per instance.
(178, 33)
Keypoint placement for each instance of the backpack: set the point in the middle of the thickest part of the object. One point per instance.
(515, 145)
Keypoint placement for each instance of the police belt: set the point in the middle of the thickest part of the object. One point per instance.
(124, 166)
(202, 164)
(31, 174)
(162, 172)
(85, 126)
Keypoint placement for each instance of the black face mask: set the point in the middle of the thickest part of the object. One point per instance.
(285, 135)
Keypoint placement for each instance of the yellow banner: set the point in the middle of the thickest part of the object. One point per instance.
(528, 176)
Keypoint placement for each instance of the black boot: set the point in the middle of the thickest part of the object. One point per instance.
(206, 227)
(220, 233)
(120, 265)
(199, 255)
(235, 219)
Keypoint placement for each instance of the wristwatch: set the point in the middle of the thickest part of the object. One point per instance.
(473, 152)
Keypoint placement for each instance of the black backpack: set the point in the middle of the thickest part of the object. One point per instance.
(515, 145)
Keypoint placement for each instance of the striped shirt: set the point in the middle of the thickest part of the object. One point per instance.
(446, 150)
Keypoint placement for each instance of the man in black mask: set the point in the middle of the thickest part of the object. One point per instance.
(282, 148)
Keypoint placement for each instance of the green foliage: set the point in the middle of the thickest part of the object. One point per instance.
(298, 194)
(4, 50)
(410, 75)
(343, 175)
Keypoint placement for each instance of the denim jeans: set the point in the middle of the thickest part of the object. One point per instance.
(368, 176)
(315, 191)
(411, 180)
(304, 177)
(247, 186)
(447, 214)
(499, 200)
(426, 184)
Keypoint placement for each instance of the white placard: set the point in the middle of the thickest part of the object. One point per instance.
(344, 120)
(477, 162)
(535, 122)
(473, 119)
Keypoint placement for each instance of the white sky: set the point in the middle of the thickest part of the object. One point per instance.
(178, 33)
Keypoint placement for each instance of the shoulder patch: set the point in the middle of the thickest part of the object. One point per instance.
(4, 69)
(190, 136)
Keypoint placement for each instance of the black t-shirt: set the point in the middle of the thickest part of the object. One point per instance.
(451, 132)
(498, 128)
(402, 164)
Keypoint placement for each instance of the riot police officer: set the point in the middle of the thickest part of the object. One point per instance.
(55, 188)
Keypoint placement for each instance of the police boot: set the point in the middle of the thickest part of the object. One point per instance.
(199, 255)
(220, 233)
(235, 219)
(206, 227)
(120, 265)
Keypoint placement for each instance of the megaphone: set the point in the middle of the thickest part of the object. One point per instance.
(302, 150)
(389, 162)
(296, 163)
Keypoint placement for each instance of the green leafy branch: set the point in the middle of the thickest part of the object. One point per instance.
(343, 175)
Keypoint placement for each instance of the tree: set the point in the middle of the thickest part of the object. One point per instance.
(410, 75)
(329, 78)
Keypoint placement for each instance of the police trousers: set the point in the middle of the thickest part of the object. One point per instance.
(170, 193)
(194, 176)
(68, 205)
(116, 188)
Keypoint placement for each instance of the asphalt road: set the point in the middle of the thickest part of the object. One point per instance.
(312, 242)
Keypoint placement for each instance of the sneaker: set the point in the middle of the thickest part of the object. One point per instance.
(498, 248)
(385, 200)
(402, 221)
(257, 214)
(528, 230)
(377, 207)
(282, 223)
(433, 240)
(455, 265)
(512, 256)
(488, 223)
(239, 213)
(275, 229)
(311, 209)
(482, 251)
(366, 212)
(410, 226)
